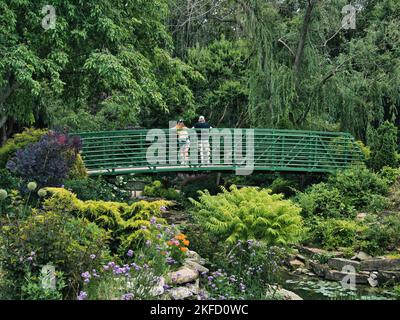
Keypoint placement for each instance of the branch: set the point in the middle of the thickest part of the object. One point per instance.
(284, 43)
(303, 35)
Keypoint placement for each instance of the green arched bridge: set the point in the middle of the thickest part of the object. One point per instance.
(143, 151)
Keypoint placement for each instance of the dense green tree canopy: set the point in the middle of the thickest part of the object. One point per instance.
(275, 63)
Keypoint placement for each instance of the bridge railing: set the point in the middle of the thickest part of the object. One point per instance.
(270, 150)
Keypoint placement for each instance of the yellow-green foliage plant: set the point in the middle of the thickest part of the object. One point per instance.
(249, 213)
(78, 170)
(19, 141)
(128, 223)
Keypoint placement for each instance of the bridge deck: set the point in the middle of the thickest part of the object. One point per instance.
(123, 152)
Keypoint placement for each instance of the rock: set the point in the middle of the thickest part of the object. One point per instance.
(191, 264)
(361, 256)
(380, 264)
(192, 255)
(301, 258)
(183, 275)
(319, 269)
(304, 271)
(296, 264)
(158, 289)
(202, 295)
(180, 293)
(336, 275)
(194, 287)
(388, 276)
(373, 279)
(339, 263)
(288, 295)
(316, 251)
(361, 216)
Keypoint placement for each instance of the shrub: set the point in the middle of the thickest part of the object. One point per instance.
(19, 141)
(157, 190)
(334, 233)
(357, 184)
(382, 234)
(48, 161)
(78, 170)
(96, 189)
(355, 188)
(286, 187)
(383, 143)
(325, 201)
(8, 181)
(248, 213)
(44, 238)
(128, 223)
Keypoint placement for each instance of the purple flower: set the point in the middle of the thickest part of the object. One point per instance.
(163, 209)
(159, 236)
(129, 253)
(106, 268)
(82, 295)
(92, 256)
(86, 275)
(242, 287)
(148, 243)
(158, 226)
(166, 287)
(128, 296)
(143, 227)
(153, 220)
(29, 259)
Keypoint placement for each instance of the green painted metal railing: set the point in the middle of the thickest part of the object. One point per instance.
(122, 152)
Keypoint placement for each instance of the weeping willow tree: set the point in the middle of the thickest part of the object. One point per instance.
(309, 71)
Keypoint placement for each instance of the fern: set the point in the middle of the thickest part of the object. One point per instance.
(248, 213)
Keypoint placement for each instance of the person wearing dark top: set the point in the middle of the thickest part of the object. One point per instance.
(202, 127)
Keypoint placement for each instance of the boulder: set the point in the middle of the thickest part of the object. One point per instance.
(319, 269)
(194, 287)
(294, 264)
(183, 275)
(193, 255)
(288, 295)
(191, 264)
(361, 256)
(339, 263)
(301, 258)
(379, 264)
(317, 251)
(180, 293)
(388, 276)
(158, 289)
(335, 275)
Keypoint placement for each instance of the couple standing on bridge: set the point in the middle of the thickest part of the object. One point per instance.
(203, 140)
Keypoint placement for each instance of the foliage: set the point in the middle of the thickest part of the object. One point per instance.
(248, 213)
(19, 141)
(96, 189)
(382, 234)
(333, 233)
(348, 190)
(48, 161)
(284, 186)
(128, 224)
(323, 200)
(223, 94)
(78, 170)
(157, 190)
(8, 181)
(141, 268)
(383, 143)
(48, 237)
(33, 288)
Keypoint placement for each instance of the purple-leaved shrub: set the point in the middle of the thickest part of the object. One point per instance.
(47, 161)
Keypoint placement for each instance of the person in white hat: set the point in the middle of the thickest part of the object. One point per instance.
(202, 126)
